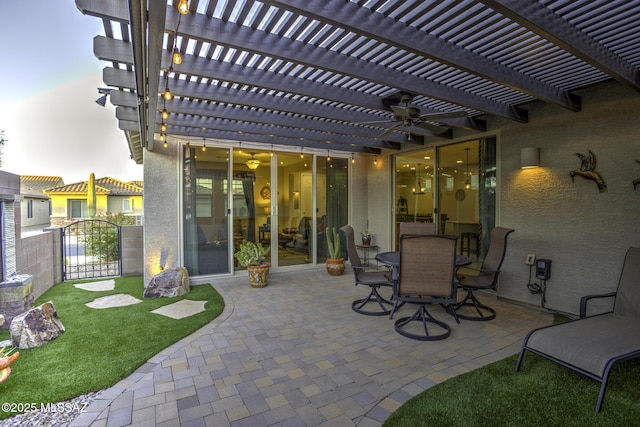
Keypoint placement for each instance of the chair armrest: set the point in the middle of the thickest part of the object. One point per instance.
(585, 299)
(478, 270)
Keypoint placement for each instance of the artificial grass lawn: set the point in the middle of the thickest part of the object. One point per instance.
(99, 346)
(542, 393)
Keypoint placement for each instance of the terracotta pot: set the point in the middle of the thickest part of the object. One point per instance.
(258, 275)
(335, 267)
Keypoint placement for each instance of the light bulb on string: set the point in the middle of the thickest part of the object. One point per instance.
(177, 58)
(183, 7)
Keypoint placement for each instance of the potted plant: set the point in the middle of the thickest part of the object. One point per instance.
(335, 263)
(366, 238)
(253, 255)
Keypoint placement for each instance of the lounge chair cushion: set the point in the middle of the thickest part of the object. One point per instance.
(589, 343)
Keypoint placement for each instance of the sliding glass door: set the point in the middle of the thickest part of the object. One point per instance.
(453, 186)
(276, 198)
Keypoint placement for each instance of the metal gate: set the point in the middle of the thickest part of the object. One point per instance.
(91, 249)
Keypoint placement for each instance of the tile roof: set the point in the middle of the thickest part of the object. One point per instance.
(106, 185)
(36, 184)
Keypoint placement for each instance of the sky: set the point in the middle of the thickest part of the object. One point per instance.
(48, 89)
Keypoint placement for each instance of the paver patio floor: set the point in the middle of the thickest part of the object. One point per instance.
(294, 353)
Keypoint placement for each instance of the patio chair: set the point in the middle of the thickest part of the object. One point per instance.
(591, 345)
(486, 278)
(427, 276)
(417, 228)
(374, 279)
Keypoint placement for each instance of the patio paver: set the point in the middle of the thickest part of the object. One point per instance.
(294, 353)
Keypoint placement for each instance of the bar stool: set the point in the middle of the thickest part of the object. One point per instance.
(466, 239)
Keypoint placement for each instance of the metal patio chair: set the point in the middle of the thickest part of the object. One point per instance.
(427, 276)
(486, 278)
(374, 279)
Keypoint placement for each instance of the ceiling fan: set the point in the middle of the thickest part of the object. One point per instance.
(408, 117)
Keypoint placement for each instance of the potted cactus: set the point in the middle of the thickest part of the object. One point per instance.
(335, 263)
(253, 256)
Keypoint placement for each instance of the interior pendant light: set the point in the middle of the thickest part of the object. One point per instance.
(467, 182)
(253, 163)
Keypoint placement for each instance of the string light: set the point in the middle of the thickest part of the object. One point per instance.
(183, 7)
(301, 153)
(271, 150)
(204, 144)
(353, 161)
(163, 127)
(375, 159)
(328, 156)
(177, 58)
(165, 114)
(168, 96)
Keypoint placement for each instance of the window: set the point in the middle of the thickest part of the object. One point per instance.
(127, 205)
(29, 208)
(77, 209)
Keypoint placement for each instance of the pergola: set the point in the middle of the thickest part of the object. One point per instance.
(342, 75)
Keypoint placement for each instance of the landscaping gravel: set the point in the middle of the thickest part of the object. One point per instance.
(50, 418)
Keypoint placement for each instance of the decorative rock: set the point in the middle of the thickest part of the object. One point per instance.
(169, 283)
(36, 327)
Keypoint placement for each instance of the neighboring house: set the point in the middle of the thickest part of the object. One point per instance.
(35, 204)
(69, 202)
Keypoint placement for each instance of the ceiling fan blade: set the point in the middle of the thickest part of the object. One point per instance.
(388, 131)
(431, 127)
(375, 121)
(405, 112)
(437, 116)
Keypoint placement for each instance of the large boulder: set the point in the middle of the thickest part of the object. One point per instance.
(169, 283)
(36, 327)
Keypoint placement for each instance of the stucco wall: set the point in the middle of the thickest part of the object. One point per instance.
(584, 232)
(161, 206)
(40, 212)
(35, 255)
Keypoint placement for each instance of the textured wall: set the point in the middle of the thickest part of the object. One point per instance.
(162, 237)
(35, 256)
(584, 232)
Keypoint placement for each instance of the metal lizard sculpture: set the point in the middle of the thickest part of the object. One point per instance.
(587, 171)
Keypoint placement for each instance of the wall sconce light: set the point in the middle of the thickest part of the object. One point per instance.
(529, 157)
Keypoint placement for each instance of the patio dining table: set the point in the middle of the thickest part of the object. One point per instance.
(392, 259)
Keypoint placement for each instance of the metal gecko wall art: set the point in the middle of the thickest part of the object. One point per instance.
(587, 171)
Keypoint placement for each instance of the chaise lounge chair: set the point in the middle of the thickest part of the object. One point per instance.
(591, 345)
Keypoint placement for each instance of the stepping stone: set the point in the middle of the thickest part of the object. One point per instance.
(117, 300)
(103, 285)
(181, 309)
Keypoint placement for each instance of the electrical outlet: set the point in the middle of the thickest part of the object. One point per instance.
(531, 259)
